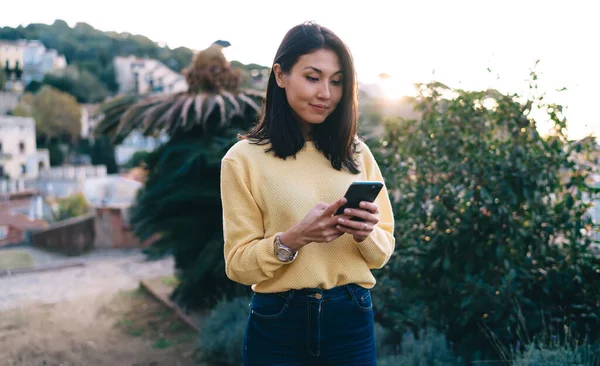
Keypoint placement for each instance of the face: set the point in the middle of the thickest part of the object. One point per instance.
(313, 86)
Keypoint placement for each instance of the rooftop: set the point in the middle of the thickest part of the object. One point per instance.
(17, 121)
(9, 217)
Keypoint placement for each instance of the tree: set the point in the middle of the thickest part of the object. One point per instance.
(103, 153)
(2, 79)
(57, 115)
(33, 87)
(180, 201)
(81, 84)
(139, 159)
(93, 50)
(492, 226)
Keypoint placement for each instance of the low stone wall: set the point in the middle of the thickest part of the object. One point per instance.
(71, 237)
(10, 234)
(113, 231)
(105, 227)
(73, 172)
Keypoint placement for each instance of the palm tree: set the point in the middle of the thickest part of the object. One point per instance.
(180, 202)
(212, 102)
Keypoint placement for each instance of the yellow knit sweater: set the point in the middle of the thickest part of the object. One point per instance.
(263, 195)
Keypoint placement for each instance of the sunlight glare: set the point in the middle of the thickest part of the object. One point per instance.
(394, 89)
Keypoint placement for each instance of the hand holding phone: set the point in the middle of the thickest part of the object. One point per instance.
(359, 192)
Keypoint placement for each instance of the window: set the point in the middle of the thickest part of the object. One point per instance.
(23, 169)
(1, 171)
(0, 147)
(22, 147)
(136, 82)
(3, 232)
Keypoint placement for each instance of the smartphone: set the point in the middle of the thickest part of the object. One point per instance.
(358, 192)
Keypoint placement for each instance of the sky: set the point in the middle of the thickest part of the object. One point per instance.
(454, 42)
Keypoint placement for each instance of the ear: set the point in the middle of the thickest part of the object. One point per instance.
(279, 75)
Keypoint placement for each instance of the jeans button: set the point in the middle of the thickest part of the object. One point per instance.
(318, 296)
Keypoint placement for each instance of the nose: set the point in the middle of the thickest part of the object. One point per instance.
(324, 92)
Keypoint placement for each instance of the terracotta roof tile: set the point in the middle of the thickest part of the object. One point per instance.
(17, 220)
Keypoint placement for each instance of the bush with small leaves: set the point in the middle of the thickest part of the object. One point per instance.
(430, 348)
(222, 332)
(493, 229)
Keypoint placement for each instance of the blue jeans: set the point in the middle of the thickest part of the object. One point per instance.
(311, 327)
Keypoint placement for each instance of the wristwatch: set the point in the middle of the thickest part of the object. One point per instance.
(282, 252)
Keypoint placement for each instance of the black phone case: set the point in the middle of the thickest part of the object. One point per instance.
(358, 192)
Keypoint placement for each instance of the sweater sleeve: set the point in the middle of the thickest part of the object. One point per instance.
(378, 247)
(249, 256)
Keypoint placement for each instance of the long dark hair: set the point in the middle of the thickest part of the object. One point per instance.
(336, 136)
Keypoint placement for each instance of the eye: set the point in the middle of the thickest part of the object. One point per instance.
(336, 82)
(310, 78)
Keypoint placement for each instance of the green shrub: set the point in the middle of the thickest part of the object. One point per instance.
(138, 159)
(389, 360)
(181, 200)
(555, 354)
(429, 349)
(72, 206)
(222, 333)
(491, 218)
(552, 357)
(382, 339)
(180, 203)
(560, 348)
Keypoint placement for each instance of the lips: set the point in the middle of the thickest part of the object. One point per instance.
(319, 107)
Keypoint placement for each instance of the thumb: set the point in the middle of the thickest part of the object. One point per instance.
(332, 208)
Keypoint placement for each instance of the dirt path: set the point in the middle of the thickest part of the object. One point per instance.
(98, 276)
(127, 328)
(94, 315)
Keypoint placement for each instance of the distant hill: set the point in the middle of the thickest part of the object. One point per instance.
(93, 50)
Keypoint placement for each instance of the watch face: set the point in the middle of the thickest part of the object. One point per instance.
(283, 254)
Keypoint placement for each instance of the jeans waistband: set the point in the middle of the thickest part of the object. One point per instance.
(312, 294)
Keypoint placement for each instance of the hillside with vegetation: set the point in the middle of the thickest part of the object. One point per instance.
(91, 51)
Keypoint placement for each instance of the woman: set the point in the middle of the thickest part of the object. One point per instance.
(281, 187)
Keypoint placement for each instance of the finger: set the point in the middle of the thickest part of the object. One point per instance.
(365, 215)
(352, 224)
(361, 226)
(369, 206)
(322, 205)
(355, 232)
(332, 208)
(333, 220)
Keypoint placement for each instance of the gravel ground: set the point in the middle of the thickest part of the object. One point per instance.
(104, 271)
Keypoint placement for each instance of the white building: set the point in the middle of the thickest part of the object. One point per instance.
(38, 61)
(89, 120)
(28, 60)
(137, 142)
(141, 75)
(19, 156)
(11, 61)
(8, 101)
(11, 54)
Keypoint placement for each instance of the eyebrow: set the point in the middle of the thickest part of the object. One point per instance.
(321, 71)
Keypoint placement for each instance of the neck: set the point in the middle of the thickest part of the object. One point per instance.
(306, 128)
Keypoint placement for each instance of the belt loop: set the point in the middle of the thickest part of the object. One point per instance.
(349, 289)
(290, 295)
